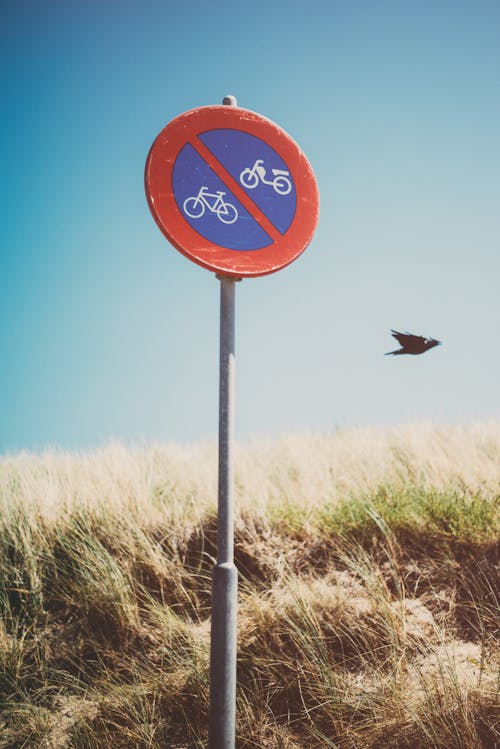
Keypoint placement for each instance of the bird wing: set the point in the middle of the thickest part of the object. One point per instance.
(406, 338)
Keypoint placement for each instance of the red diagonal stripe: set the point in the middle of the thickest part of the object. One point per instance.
(252, 208)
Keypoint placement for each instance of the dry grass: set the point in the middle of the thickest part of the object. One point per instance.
(368, 611)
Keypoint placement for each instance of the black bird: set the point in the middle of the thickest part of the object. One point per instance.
(412, 344)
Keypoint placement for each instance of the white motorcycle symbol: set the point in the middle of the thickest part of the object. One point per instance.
(195, 206)
(250, 178)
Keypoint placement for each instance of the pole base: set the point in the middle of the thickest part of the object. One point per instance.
(222, 721)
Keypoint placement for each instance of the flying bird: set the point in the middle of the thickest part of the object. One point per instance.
(412, 344)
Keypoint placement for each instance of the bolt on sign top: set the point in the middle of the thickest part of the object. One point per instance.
(232, 191)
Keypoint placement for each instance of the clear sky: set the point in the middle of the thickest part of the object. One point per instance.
(107, 332)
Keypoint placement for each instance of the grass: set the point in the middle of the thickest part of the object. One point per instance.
(368, 596)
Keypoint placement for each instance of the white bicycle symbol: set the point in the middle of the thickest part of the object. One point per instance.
(195, 206)
(250, 178)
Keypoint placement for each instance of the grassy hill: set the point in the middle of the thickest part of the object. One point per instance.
(368, 598)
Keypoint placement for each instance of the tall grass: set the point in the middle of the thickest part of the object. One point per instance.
(368, 600)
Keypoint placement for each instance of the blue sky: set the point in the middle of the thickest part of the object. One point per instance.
(106, 332)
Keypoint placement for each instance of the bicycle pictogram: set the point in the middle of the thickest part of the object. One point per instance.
(195, 206)
(250, 178)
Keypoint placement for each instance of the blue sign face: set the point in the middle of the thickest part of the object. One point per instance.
(215, 209)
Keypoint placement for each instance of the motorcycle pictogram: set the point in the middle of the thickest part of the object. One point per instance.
(250, 178)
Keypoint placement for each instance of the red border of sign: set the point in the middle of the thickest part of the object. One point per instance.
(235, 263)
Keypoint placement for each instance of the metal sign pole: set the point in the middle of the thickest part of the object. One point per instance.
(222, 719)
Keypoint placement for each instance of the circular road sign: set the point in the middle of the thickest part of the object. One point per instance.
(232, 191)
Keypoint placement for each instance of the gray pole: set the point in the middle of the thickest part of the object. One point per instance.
(222, 718)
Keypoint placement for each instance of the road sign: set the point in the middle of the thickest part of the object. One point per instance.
(232, 191)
